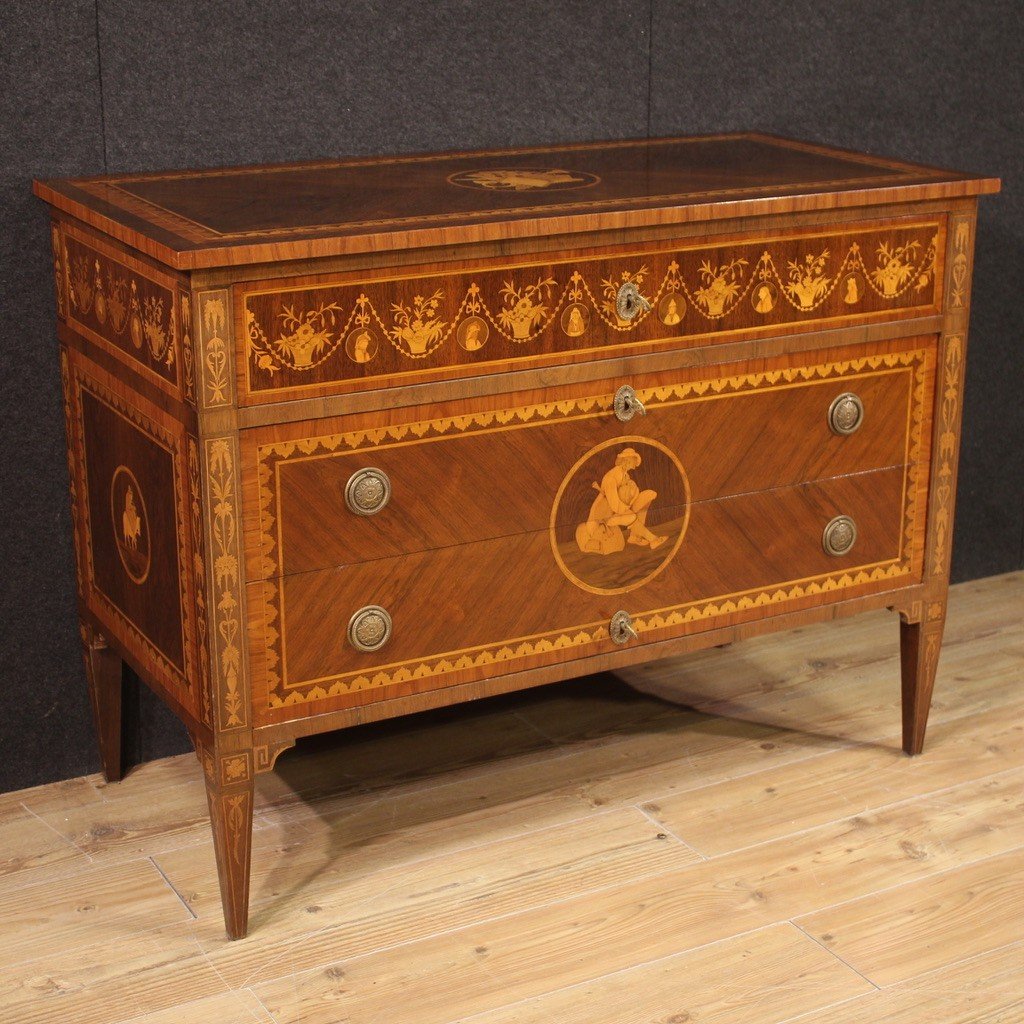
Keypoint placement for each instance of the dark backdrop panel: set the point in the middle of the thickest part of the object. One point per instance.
(942, 83)
(225, 81)
(50, 123)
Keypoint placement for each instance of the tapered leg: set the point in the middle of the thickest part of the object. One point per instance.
(919, 658)
(231, 818)
(104, 670)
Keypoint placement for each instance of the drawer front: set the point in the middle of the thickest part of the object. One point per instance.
(329, 335)
(505, 604)
(494, 471)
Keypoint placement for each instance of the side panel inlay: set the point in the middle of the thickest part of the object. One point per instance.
(135, 527)
(126, 308)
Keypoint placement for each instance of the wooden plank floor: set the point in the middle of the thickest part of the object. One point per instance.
(735, 838)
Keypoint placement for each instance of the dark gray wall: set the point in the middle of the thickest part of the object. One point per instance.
(133, 84)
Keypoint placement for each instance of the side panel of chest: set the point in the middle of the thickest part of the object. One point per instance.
(134, 497)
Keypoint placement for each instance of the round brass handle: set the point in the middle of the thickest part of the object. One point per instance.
(627, 405)
(629, 303)
(370, 628)
(621, 628)
(367, 491)
(845, 414)
(839, 536)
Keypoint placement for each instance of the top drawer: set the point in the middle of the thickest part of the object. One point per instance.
(321, 335)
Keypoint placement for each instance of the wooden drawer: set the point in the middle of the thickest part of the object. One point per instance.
(521, 601)
(492, 468)
(333, 334)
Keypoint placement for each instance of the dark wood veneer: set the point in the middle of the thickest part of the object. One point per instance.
(234, 216)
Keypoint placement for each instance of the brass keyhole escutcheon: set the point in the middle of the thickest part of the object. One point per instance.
(627, 405)
(367, 491)
(621, 628)
(370, 628)
(845, 414)
(629, 303)
(839, 536)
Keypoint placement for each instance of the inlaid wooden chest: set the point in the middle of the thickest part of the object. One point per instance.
(356, 438)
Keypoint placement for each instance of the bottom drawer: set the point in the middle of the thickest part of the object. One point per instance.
(465, 612)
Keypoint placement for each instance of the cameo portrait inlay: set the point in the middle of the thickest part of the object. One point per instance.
(764, 297)
(131, 524)
(361, 345)
(523, 179)
(671, 309)
(852, 289)
(472, 333)
(619, 515)
(575, 318)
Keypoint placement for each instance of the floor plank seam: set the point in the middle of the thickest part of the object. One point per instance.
(669, 794)
(667, 831)
(1010, 851)
(615, 973)
(540, 906)
(834, 955)
(57, 832)
(10, 883)
(533, 726)
(409, 788)
(269, 1018)
(533, 908)
(110, 792)
(251, 979)
(909, 983)
(610, 809)
(533, 830)
(866, 810)
(815, 1014)
(194, 940)
(170, 885)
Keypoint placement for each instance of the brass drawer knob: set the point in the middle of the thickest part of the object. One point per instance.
(627, 405)
(370, 628)
(839, 536)
(629, 303)
(845, 414)
(367, 491)
(621, 628)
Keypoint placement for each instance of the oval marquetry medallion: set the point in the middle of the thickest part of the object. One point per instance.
(522, 179)
(131, 524)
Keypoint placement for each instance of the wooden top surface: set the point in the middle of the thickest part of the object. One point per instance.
(231, 216)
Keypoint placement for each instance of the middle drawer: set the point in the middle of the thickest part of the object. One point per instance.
(489, 468)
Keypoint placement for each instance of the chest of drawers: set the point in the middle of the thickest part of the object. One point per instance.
(351, 439)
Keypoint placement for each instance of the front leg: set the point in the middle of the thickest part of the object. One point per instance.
(229, 791)
(105, 673)
(920, 643)
(921, 633)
